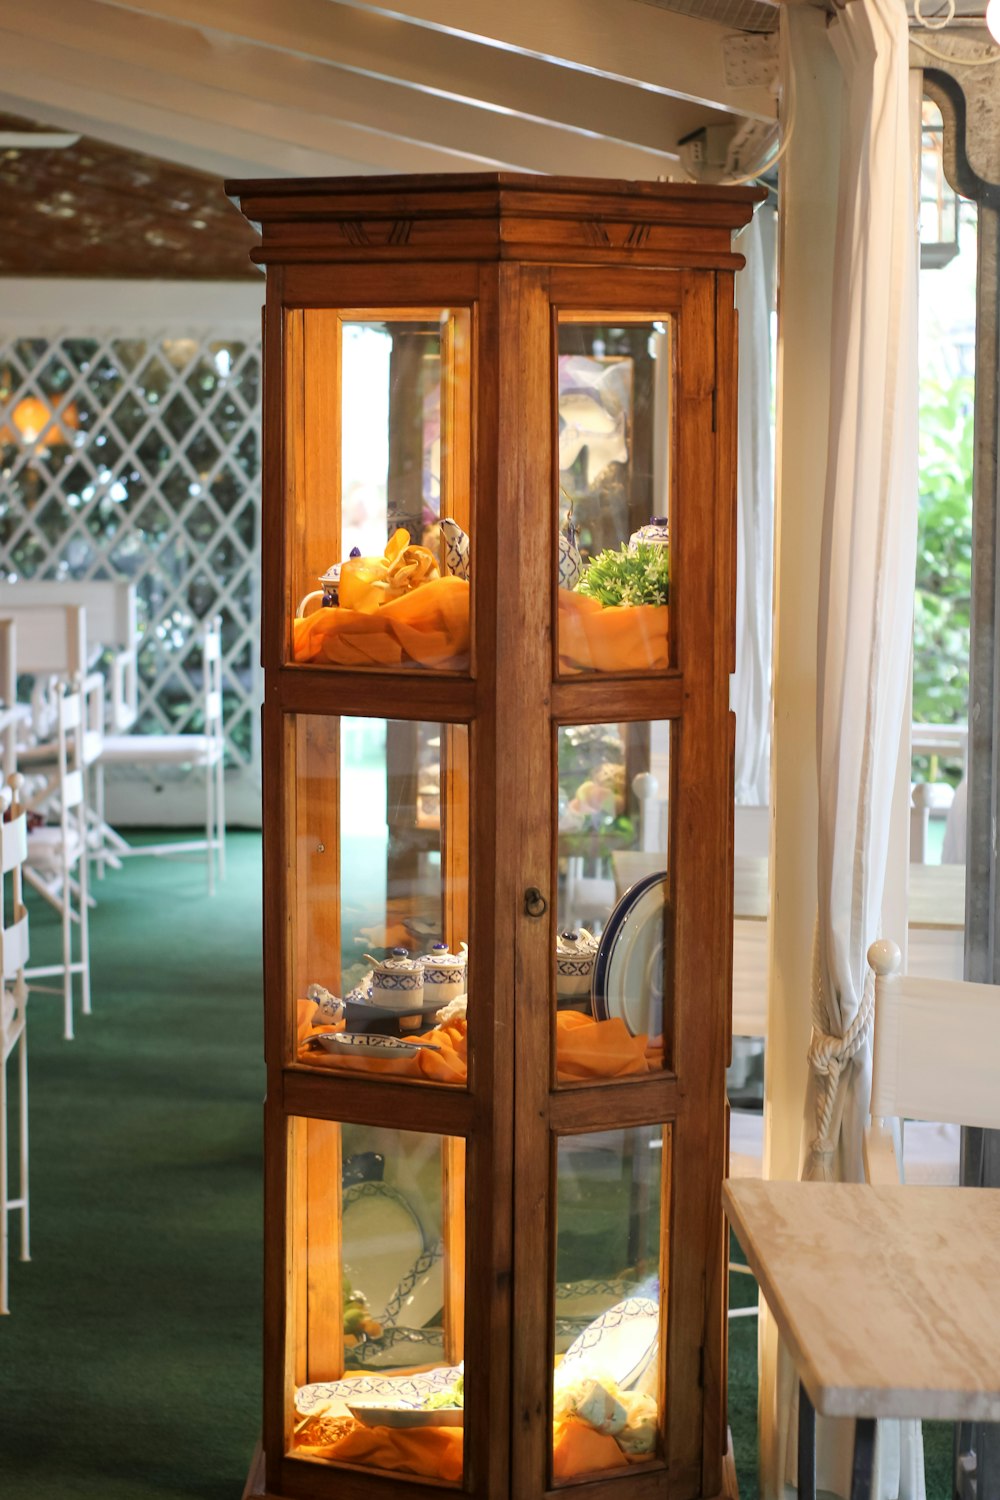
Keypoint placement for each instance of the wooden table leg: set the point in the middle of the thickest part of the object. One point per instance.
(807, 1447)
(864, 1458)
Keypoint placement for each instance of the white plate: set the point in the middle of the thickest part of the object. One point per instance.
(632, 964)
(373, 1415)
(622, 1342)
(382, 1240)
(397, 1390)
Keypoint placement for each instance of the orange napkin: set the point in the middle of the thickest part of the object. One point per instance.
(450, 1065)
(435, 1452)
(584, 1049)
(596, 1049)
(429, 627)
(627, 638)
(578, 1449)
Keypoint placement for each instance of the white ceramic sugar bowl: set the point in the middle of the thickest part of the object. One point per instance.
(656, 533)
(444, 974)
(397, 981)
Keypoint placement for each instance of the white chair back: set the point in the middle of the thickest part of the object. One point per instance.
(51, 639)
(112, 622)
(936, 1050)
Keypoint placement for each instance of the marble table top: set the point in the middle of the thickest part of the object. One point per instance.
(887, 1298)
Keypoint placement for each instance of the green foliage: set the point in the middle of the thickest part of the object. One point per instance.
(624, 577)
(944, 554)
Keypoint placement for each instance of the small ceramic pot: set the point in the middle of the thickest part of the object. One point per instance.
(575, 953)
(444, 974)
(656, 533)
(325, 597)
(397, 981)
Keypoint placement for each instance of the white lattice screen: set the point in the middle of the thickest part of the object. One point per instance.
(136, 454)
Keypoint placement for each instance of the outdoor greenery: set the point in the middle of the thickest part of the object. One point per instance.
(944, 554)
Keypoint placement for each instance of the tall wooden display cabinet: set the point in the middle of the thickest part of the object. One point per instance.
(498, 628)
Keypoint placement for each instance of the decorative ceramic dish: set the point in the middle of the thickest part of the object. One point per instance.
(399, 1390)
(633, 958)
(419, 1297)
(621, 1341)
(383, 1237)
(388, 1047)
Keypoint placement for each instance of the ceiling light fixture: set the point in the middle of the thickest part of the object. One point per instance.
(993, 19)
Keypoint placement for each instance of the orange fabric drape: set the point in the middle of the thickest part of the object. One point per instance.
(585, 1049)
(427, 627)
(628, 638)
(434, 1452)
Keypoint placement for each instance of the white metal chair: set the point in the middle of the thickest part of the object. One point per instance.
(204, 752)
(936, 1057)
(57, 853)
(13, 1004)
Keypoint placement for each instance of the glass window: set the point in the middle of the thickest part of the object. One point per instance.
(613, 956)
(380, 896)
(612, 1199)
(616, 418)
(376, 1297)
(378, 467)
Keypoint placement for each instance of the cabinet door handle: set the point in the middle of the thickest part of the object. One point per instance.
(535, 904)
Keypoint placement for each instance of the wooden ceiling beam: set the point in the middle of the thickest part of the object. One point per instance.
(39, 72)
(390, 49)
(635, 43)
(226, 151)
(374, 120)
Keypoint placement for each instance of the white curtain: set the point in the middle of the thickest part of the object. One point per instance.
(864, 624)
(755, 513)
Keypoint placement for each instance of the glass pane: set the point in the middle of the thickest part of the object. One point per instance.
(616, 419)
(378, 458)
(380, 896)
(612, 1194)
(614, 946)
(377, 1297)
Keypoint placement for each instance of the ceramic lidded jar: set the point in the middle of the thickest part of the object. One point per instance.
(656, 533)
(397, 981)
(575, 954)
(444, 974)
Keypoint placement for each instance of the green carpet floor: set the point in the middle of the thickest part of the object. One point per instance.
(130, 1366)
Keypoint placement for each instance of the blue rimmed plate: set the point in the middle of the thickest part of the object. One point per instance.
(634, 957)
